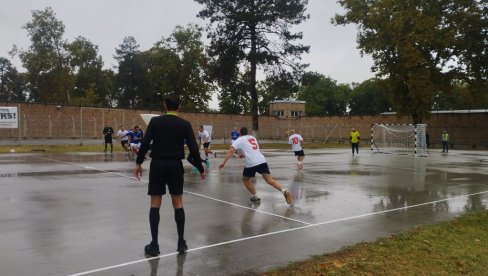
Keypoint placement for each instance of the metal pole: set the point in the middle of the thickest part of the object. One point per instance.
(81, 126)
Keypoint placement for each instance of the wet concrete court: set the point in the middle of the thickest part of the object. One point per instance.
(83, 213)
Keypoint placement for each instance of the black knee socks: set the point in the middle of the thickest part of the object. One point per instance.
(154, 223)
(180, 223)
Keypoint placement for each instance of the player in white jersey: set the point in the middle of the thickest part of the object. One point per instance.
(205, 141)
(255, 163)
(296, 140)
(122, 137)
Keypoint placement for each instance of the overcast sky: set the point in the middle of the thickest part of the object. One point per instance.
(106, 22)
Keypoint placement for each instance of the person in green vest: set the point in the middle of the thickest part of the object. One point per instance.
(445, 141)
(354, 140)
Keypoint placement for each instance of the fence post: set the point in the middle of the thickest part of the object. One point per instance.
(50, 124)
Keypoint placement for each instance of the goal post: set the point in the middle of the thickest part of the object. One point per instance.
(399, 139)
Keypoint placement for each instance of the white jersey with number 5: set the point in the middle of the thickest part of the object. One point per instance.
(295, 142)
(249, 146)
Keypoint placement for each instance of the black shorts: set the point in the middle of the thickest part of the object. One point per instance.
(299, 153)
(165, 172)
(251, 172)
(123, 143)
(206, 145)
(108, 139)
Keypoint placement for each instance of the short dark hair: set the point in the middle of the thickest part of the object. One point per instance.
(172, 102)
(243, 131)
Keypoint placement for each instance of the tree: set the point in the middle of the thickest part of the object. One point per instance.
(86, 66)
(413, 45)
(11, 82)
(323, 96)
(253, 33)
(234, 97)
(46, 60)
(473, 28)
(131, 80)
(178, 64)
(370, 97)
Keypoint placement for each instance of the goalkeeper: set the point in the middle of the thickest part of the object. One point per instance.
(354, 140)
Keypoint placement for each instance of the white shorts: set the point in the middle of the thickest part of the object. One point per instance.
(138, 145)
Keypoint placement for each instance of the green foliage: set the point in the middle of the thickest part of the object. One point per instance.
(248, 33)
(11, 82)
(48, 73)
(369, 98)
(178, 64)
(323, 96)
(416, 46)
(131, 81)
(234, 97)
(86, 67)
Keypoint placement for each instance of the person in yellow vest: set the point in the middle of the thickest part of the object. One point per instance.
(354, 140)
(445, 141)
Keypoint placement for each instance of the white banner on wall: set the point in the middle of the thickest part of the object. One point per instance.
(9, 118)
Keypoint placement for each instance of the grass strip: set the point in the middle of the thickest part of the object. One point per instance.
(453, 247)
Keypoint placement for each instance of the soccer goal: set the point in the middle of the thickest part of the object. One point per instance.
(399, 139)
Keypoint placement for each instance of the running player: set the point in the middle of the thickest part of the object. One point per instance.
(255, 163)
(205, 140)
(296, 140)
(122, 137)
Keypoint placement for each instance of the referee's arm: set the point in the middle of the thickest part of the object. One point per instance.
(191, 142)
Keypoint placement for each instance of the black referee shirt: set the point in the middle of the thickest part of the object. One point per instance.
(168, 134)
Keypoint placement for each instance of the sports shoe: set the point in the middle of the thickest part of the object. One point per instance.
(215, 154)
(182, 247)
(288, 198)
(255, 199)
(152, 249)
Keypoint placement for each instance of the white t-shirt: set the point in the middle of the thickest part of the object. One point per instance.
(203, 135)
(295, 141)
(121, 133)
(250, 149)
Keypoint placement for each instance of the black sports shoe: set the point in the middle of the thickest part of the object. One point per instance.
(152, 249)
(182, 247)
(255, 199)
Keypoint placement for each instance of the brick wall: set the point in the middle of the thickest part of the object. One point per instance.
(51, 121)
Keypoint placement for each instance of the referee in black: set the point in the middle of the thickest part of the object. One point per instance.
(168, 134)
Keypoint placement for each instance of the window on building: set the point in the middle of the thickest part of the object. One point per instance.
(279, 113)
(296, 113)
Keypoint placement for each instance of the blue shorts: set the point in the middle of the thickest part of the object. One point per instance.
(251, 172)
(206, 145)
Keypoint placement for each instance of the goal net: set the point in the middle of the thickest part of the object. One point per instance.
(399, 139)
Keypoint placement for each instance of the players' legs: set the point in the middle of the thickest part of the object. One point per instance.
(177, 201)
(267, 177)
(272, 182)
(250, 187)
(206, 148)
(153, 247)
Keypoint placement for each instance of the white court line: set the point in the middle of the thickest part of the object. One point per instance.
(278, 232)
(200, 195)
(308, 225)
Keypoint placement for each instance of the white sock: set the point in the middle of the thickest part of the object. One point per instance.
(283, 191)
